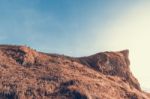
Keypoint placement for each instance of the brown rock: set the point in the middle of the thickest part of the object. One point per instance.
(112, 63)
(28, 74)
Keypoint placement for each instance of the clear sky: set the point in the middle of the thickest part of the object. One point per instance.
(81, 27)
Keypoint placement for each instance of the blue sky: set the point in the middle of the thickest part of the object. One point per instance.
(81, 27)
(57, 25)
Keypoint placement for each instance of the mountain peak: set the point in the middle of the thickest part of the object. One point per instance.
(112, 63)
(26, 73)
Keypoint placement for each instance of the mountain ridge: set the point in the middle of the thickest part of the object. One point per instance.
(29, 74)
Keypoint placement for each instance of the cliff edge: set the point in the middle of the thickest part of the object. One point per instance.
(28, 74)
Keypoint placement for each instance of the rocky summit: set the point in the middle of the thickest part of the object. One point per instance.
(28, 74)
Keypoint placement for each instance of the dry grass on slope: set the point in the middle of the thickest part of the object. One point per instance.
(28, 74)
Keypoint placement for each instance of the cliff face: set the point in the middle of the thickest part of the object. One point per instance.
(28, 74)
(113, 64)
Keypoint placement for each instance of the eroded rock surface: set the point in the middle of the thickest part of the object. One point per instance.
(28, 74)
(112, 63)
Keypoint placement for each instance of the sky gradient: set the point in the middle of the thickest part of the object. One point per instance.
(81, 27)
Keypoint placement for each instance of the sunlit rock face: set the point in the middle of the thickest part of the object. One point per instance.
(28, 74)
(112, 63)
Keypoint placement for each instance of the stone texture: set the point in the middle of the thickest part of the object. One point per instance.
(28, 74)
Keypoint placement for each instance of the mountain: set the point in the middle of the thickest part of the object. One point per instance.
(28, 74)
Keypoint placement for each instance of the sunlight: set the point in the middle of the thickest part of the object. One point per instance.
(132, 31)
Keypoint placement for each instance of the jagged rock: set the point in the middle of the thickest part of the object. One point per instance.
(29, 74)
(29, 55)
(112, 63)
(24, 55)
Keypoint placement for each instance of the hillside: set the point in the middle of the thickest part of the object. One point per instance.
(28, 74)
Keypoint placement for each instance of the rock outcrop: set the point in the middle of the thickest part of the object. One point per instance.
(28, 74)
(112, 63)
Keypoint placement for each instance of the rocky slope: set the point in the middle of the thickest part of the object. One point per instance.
(28, 74)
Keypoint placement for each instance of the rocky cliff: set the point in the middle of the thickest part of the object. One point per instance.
(28, 74)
